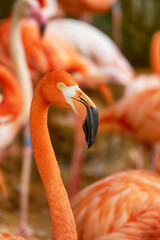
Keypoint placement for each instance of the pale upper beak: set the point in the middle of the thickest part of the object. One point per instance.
(88, 113)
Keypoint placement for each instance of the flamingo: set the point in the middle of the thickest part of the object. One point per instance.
(8, 132)
(137, 112)
(125, 205)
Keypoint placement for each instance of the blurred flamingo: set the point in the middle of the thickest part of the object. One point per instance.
(119, 206)
(137, 113)
(8, 132)
(94, 46)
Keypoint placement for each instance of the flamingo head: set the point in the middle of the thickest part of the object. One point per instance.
(61, 88)
(30, 9)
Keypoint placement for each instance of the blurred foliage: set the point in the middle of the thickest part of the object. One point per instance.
(103, 22)
(140, 20)
(5, 7)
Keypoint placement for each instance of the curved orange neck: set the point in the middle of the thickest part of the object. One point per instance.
(12, 99)
(61, 215)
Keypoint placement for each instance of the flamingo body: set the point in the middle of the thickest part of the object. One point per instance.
(125, 205)
(95, 46)
(137, 112)
(5, 236)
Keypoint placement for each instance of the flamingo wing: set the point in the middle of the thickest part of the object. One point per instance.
(125, 205)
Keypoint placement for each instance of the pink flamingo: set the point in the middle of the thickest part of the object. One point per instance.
(137, 113)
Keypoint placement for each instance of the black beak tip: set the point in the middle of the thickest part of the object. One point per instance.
(89, 144)
(90, 126)
(42, 29)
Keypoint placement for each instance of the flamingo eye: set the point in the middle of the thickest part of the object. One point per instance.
(60, 85)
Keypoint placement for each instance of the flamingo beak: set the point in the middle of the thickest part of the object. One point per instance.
(90, 125)
(42, 29)
(40, 18)
(87, 111)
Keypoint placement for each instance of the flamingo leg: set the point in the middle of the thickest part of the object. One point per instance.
(3, 184)
(25, 182)
(106, 92)
(77, 160)
(117, 24)
(3, 155)
(140, 157)
(11, 151)
(154, 154)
